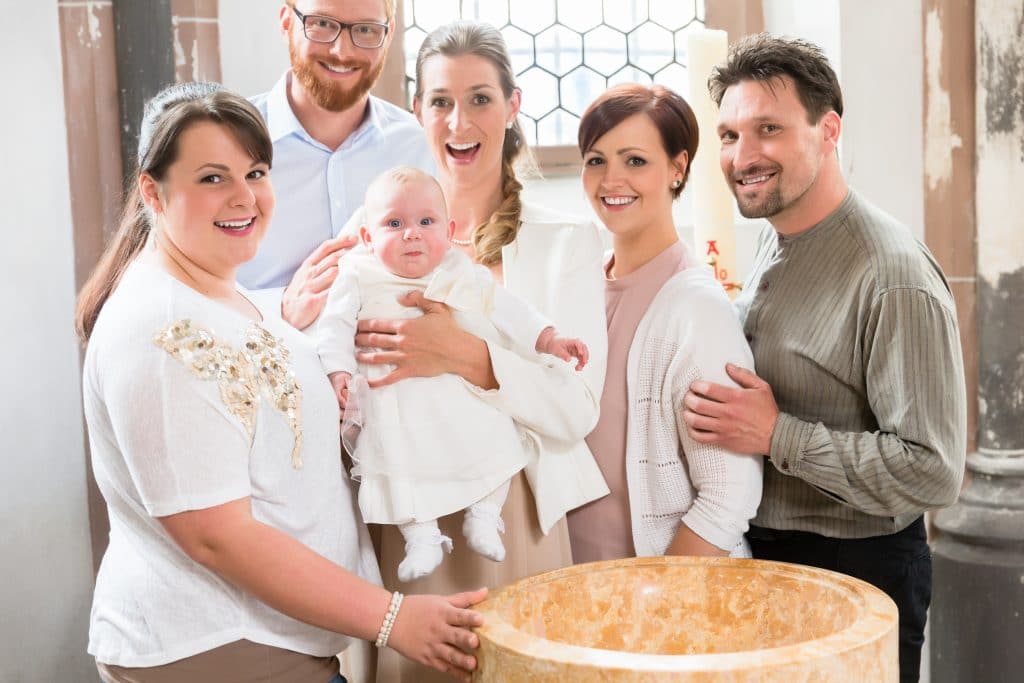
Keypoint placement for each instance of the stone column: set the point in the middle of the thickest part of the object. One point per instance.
(145, 62)
(978, 604)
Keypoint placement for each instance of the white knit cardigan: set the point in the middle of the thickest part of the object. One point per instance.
(689, 332)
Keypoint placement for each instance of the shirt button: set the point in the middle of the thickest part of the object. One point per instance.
(785, 465)
(750, 338)
(764, 287)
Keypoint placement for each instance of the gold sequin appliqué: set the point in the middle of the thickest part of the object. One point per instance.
(259, 367)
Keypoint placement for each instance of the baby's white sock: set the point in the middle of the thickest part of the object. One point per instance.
(483, 522)
(424, 549)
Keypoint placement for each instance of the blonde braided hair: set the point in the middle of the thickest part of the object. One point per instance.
(483, 40)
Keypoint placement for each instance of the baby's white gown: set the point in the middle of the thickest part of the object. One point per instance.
(429, 446)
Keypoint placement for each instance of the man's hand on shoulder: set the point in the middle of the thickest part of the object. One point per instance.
(739, 419)
(305, 295)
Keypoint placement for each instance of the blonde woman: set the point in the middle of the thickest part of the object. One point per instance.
(467, 101)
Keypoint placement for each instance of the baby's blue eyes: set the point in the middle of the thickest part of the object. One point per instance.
(396, 223)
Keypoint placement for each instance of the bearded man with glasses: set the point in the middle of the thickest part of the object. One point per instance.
(331, 138)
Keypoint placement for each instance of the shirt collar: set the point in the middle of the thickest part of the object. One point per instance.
(835, 218)
(372, 123)
(282, 122)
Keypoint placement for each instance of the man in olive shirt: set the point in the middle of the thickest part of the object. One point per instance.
(858, 402)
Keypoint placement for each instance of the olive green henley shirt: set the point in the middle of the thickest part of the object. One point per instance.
(854, 327)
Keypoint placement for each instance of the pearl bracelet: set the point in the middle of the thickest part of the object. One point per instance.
(389, 620)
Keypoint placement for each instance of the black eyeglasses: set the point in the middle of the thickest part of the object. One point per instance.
(365, 34)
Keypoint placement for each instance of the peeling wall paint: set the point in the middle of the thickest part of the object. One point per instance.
(179, 50)
(196, 49)
(91, 31)
(94, 20)
(1000, 138)
(1002, 65)
(1000, 210)
(1001, 349)
(940, 140)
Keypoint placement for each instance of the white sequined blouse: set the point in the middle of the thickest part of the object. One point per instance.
(190, 405)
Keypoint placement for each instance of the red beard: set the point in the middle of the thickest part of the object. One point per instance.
(327, 94)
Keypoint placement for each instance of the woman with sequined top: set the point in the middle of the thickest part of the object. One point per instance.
(236, 551)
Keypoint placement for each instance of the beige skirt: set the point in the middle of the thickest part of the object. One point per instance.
(528, 552)
(239, 662)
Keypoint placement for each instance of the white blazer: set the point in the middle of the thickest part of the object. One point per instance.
(555, 263)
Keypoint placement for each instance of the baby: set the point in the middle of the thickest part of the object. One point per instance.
(427, 446)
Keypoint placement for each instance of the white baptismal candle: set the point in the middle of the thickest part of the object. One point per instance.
(714, 230)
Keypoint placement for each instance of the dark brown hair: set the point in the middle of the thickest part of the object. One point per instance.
(483, 40)
(169, 114)
(669, 113)
(764, 57)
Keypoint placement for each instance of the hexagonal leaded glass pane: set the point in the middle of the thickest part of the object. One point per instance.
(487, 11)
(529, 129)
(671, 14)
(566, 52)
(430, 15)
(412, 39)
(604, 50)
(533, 17)
(557, 128)
(650, 47)
(629, 75)
(579, 88)
(682, 38)
(520, 48)
(676, 78)
(540, 92)
(579, 15)
(682, 51)
(624, 15)
(559, 50)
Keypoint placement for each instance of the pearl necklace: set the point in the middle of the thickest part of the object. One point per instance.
(462, 243)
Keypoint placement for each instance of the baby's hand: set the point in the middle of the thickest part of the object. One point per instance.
(340, 380)
(564, 348)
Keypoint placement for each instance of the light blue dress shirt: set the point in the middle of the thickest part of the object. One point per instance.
(317, 188)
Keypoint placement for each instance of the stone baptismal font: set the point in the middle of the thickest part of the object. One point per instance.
(688, 620)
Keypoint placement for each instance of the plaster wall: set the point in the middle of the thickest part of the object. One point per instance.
(253, 54)
(875, 47)
(45, 563)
